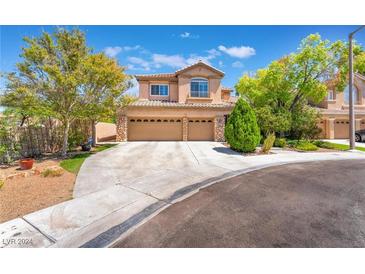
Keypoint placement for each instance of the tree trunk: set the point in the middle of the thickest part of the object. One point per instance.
(93, 132)
(65, 137)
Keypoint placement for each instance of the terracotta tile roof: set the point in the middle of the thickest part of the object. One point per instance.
(200, 62)
(340, 111)
(155, 103)
(173, 75)
(227, 88)
(157, 75)
(360, 76)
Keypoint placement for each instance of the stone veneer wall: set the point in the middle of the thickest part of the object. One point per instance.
(219, 123)
(122, 132)
(185, 122)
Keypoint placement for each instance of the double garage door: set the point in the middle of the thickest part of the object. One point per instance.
(169, 129)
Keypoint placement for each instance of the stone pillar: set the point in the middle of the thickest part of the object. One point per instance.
(219, 129)
(357, 124)
(331, 128)
(122, 128)
(185, 122)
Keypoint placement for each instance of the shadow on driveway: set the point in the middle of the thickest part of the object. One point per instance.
(226, 150)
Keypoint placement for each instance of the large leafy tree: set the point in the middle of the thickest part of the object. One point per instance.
(280, 91)
(105, 83)
(60, 76)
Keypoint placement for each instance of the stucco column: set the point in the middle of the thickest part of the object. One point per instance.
(331, 128)
(357, 124)
(219, 129)
(185, 128)
(122, 128)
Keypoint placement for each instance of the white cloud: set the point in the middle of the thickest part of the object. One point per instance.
(238, 52)
(188, 35)
(213, 52)
(237, 64)
(112, 51)
(175, 61)
(129, 48)
(220, 63)
(142, 64)
(133, 90)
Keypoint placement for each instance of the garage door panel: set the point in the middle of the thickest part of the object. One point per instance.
(201, 130)
(341, 129)
(154, 129)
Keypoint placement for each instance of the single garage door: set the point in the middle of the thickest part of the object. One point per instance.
(154, 129)
(201, 130)
(341, 129)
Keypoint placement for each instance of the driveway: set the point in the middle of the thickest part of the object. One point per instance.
(133, 163)
(317, 204)
(120, 188)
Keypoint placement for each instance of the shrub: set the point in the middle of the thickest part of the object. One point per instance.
(51, 172)
(323, 144)
(242, 132)
(305, 123)
(2, 182)
(305, 146)
(280, 142)
(268, 143)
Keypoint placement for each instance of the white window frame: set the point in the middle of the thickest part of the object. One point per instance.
(157, 84)
(331, 95)
(197, 79)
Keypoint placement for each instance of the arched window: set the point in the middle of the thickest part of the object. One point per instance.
(199, 87)
(346, 95)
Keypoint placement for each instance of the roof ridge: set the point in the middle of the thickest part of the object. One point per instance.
(200, 61)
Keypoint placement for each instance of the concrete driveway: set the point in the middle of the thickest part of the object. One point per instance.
(159, 163)
(317, 204)
(121, 188)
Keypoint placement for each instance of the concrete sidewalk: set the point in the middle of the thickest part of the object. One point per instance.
(119, 202)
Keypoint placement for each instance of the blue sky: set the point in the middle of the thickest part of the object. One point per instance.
(153, 49)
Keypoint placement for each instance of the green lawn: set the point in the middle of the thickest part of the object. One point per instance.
(346, 147)
(330, 145)
(73, 164)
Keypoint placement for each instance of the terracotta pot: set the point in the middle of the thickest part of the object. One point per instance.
(26, 163)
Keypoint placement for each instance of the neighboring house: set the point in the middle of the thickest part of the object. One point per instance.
(189, 104)
(335, 110)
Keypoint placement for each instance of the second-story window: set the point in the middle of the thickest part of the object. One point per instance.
(331, 95)
(160, 90)
(346, 95)
(199, 87)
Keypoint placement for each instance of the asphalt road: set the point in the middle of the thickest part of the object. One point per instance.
(317, 204)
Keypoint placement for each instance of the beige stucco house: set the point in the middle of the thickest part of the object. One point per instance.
(188, 104)
(335, 110)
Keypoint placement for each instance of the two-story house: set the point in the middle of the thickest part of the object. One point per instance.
(335, 110)
(187, 105)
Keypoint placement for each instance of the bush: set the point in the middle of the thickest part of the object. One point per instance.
(280, 142)
(50, 172)
(305, 146)
(268, 143)
(305, 123)
(242, 132)
(2, 182)
(323, 144)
